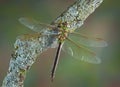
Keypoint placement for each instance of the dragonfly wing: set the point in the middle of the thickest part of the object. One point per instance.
(25, 37)
(88, 41)
(34, 25)
(80, 52)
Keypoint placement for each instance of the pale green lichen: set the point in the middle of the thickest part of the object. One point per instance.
(77, 13)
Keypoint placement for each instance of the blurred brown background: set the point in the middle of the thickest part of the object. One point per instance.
(104, 22)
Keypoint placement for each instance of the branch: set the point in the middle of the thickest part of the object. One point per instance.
(28, 47)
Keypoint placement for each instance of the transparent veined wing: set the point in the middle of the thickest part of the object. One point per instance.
(80, 52)
(29, 36)
(87, 41)
(42, 39)
(35, 25)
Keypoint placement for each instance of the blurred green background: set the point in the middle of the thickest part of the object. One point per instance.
(104, 22)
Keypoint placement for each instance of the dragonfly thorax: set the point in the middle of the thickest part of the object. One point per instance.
(62, 36)
(63, 31)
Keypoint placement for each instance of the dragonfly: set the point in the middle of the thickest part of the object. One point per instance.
(76, 44)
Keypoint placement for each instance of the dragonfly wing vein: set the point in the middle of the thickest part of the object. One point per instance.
(80, 53)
